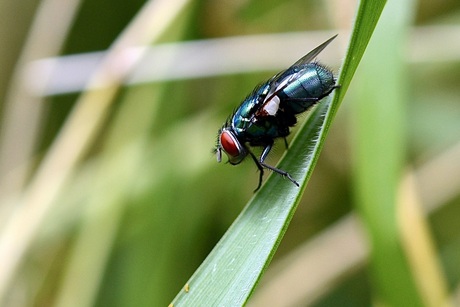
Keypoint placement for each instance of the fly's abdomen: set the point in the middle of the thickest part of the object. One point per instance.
(315, 81)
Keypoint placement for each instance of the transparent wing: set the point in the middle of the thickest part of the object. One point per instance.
(279, 82)
(312, 54)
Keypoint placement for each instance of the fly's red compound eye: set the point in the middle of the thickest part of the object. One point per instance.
(229, 144)
(232, 147)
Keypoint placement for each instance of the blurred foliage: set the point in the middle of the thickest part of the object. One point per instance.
(148, 202)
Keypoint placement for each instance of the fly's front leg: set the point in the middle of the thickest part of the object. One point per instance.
(286, 143)
(261, 170)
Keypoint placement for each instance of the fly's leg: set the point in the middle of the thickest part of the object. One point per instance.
(330, 91)
(333, 88)
(274, 169)
(304, 103)
(286, 143)
(311, 100)
(261, 170)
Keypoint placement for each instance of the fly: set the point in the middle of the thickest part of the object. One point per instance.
(270, 110)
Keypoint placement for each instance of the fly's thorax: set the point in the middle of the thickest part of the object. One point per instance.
(229, 143)
(242, 118)
(252, 102)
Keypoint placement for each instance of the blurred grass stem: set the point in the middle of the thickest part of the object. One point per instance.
(78, 133)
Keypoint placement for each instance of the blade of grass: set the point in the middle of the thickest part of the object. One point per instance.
(230, 273)
(22, 114)
(380, 153)
(78, 134)
(418, 245)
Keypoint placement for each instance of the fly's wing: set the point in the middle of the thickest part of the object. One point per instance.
(312, 54)
(279, 81)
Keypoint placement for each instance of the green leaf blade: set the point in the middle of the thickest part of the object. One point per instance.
(232, 270)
